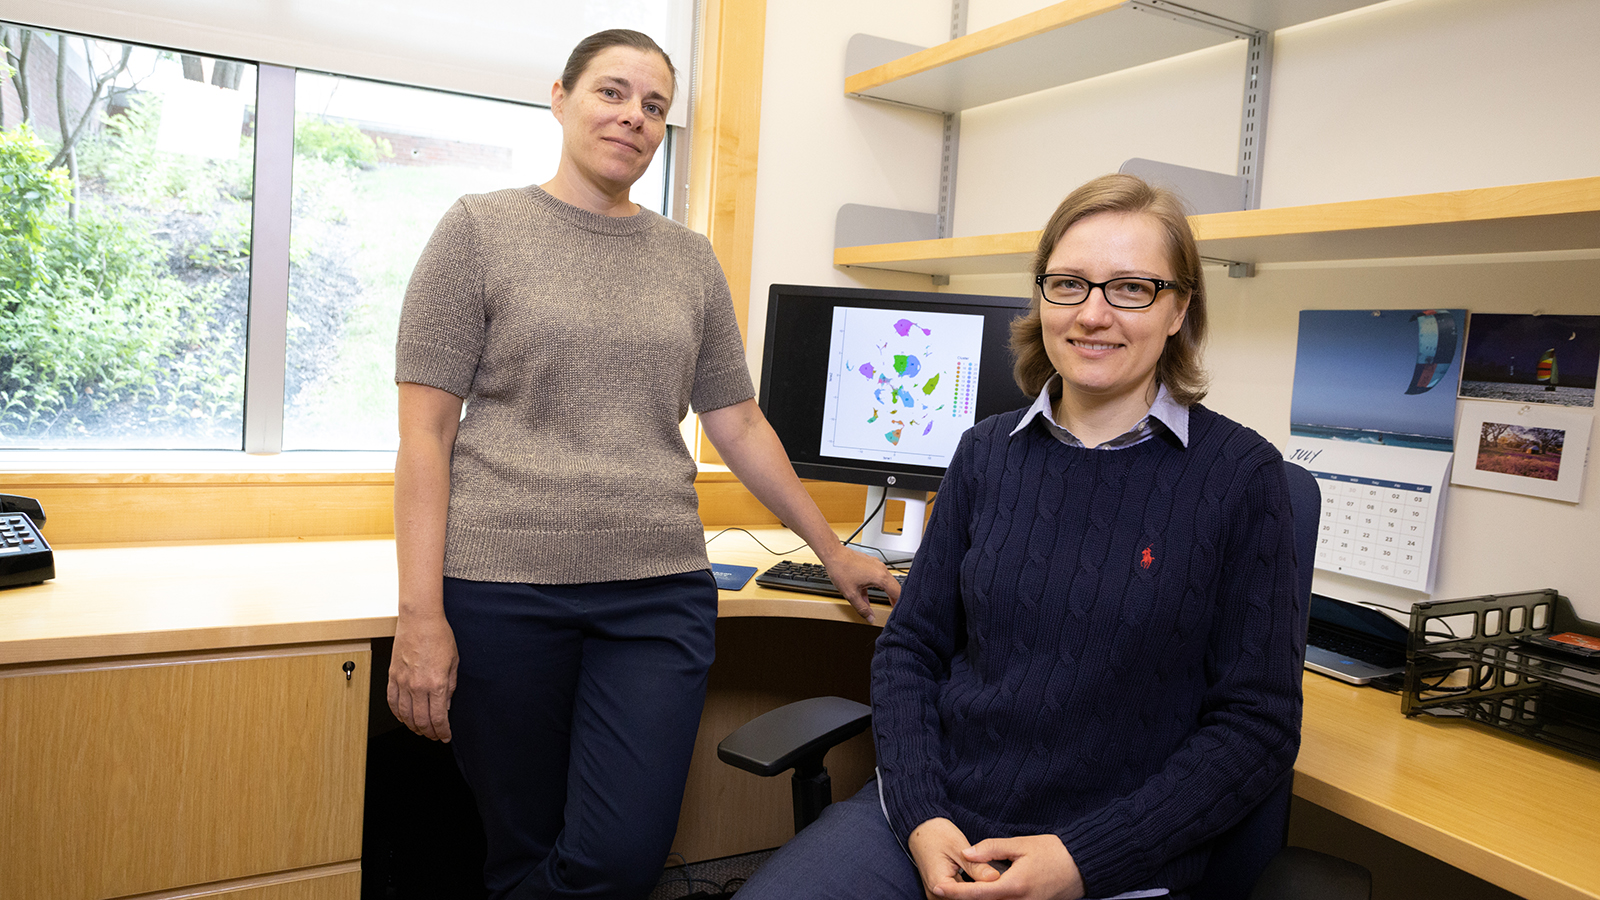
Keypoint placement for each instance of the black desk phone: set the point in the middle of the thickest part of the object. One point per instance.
(25, 557)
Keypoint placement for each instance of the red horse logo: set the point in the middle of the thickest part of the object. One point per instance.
(1146, 558)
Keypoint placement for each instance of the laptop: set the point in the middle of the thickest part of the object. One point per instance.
(1354, 643)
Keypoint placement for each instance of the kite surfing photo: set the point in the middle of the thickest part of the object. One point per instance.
(1378, 376)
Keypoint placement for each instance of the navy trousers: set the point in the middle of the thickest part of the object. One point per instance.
(574, 717)
(848, 853)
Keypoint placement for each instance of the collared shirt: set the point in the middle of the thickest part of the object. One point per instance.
(1168, 412)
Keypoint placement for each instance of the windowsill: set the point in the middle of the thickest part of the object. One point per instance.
(158, 466)
(168, 465)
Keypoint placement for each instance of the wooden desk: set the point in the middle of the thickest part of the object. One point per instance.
(269, 803)
(1451, 789)
(1510, 811)
(121, 600)
(189, 716)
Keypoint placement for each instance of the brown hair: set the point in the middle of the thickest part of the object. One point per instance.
(599, 42)
(1179, 367)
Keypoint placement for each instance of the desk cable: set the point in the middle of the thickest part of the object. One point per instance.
(877, 509)
(717, 889)
(1449, 634)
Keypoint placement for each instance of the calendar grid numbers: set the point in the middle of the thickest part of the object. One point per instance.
(1382, 508)
(1376, 527)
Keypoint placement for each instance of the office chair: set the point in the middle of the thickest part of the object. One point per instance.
(1247, 861)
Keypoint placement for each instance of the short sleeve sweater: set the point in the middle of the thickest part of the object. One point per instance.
(1100, 645)
(579, 341)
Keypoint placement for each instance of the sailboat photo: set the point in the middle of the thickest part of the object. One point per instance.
(1548, 376)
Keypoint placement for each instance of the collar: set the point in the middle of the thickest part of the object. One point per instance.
(1170, 413)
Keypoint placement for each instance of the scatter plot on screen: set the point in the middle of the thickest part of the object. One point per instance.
(900, 385)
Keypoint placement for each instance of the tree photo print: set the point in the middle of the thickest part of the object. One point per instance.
(1515, 450)
(1523, 448)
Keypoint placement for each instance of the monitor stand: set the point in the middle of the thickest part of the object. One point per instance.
(896, 548)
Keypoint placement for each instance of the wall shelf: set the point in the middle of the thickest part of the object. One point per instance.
(1550, 215)
(1039, 50)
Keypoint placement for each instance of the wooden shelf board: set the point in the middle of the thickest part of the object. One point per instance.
(1552, 215)
(1061, 44)
(976, 255)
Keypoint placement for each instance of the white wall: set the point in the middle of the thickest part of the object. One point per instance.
(1410, 96)
(1434, 95)
(823, 151)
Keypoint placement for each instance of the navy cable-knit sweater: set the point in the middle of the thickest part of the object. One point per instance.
(1097, 644)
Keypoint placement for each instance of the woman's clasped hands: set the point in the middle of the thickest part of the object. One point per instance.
(1033, 867)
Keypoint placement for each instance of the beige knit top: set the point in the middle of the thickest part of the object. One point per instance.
(579, 341)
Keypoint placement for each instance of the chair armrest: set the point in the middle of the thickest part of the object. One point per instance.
(790, 735)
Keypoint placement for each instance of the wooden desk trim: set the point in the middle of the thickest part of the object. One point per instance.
(136, 599)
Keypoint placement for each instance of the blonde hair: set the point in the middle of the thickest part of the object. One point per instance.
(1179, 367)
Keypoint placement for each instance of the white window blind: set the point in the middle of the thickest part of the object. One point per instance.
(513, 49)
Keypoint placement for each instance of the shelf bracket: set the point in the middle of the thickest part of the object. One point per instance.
(1168, 10)
(1257, 80)
(950, 148)
(1201, 190)
(1236, 269)
(857, 224)
(867, 51)
(1253, 118)
(1209, 192)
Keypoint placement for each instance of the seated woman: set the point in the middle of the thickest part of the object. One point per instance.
(1094, 668)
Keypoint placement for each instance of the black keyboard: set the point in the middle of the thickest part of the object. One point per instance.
(1366, 651)
(810, 578)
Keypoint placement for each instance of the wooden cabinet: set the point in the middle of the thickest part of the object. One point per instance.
(133, 775)
(342, 883)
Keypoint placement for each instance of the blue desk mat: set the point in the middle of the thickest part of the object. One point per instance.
(731, 578)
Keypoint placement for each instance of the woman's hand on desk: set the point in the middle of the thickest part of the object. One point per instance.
(422, 675)
(753, 452)
(853, 573)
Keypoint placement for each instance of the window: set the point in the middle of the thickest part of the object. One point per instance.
(125, 185)
(126, 250)
(376, 165)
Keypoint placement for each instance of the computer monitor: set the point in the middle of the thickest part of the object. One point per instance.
(875, 387)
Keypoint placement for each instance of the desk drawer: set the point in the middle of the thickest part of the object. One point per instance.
(146, 774)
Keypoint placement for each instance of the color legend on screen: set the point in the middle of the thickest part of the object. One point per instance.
(966, 386)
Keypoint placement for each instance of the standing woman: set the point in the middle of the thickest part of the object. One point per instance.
(556, 608)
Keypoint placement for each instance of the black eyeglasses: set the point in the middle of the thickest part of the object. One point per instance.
(1123, 293)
